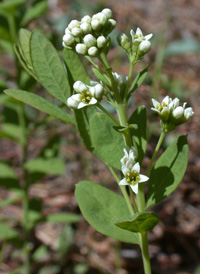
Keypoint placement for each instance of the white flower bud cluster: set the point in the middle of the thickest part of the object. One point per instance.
(170, 111)
(121, 80)
(139, 44)
(85, 95)
(89, 36)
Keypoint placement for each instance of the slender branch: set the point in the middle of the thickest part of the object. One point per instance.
(129, 79)
(123, 190)
(108, 114)
(133, 199)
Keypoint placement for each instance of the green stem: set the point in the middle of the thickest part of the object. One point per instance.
(162, 136)
(145, 252)
(108, 114)
(133, 199)
(123, 190)
(129, 79)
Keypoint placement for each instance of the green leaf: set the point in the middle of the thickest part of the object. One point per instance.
(35, 11)
(13, 132)
(139, 118)
(8, 178)
(138, 80)
(102, 208)
(108, 143)
(48, 67)
(101, 77)
(63, 218)
(182, 47)
(41, 104)
(168, 171)
(24, 63)
(19, 194)
(11, 5)
(7, 232)
(24, 42)
(140, 222)
(53, 166)
(75, 66)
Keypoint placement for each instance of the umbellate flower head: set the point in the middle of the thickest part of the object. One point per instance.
(90, 35)
(85, 95)
(171, 112)
(131, 170)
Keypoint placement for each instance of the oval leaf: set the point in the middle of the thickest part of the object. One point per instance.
(108, 143)
(53, 166)
(40, 104)
(168, 171)
(102, 208)
(48, 67)
(140, 222)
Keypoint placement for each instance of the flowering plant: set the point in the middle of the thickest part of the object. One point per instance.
(118, 140)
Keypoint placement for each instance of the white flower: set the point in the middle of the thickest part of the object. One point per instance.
(144, 46)
(93, 51)
(85, 95)
(139, 37)
(96, 25)
(89, 40)
(77, 32)
(81, 49)
(86, 19)
(163, 108)
(133, 177)
(102, 18)
(129, 159)
(178, 113)
(188, 113)
(73, 24)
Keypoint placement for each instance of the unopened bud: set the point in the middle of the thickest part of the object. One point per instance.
(90, 40)
(79, 86)
(73, 24)
(99, 91)
(188, 113)
(178, 113)
(86, 27)
(77, 32)
(81, 49)
(101, 41)
(72, 103)
(124, 42)
(144, 47)
(68, 39)
(96, 25)
(86, 19)
(93, 51)
(102, 18)
(111, 24)
(108, 13)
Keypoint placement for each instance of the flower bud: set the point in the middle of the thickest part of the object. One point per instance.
(73, 24)
(96, 25)
(144, 47)
(99, 91)
(86, 27)
(124, 42)
(72, 103)
(102, 18)
(68, 39)
(81, 49)
(108, 13)
(86, 19)
(67, 31)
(79, 86)
(101, 41)
(89, 40)
(93, 51)
(77, 32)
(188, 112)
(111, 24)
(178, 113)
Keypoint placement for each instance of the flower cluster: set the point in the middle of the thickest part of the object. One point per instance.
(170, 112)
(137, 46)
(85, 95)
(131, 170)
(89, 36)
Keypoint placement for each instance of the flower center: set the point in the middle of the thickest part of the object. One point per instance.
(161, 106)
(132, 177)
(86, 96)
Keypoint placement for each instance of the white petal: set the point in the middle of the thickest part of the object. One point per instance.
(143, 178)
(123, 182)
(93, 101)
(125, 169)
(92, 90)
(139, 32)
(134, 188)
(136, 167)
(154, 109)
(175, 102)
(166, 100)
(155, 103)
(147, 37)
(76, 97)
(82, 105)
(184, 105)
(79, 86)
